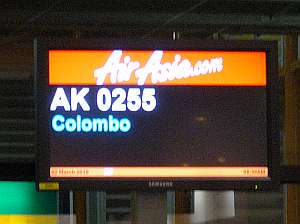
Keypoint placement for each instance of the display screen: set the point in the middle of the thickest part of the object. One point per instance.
(121, 114)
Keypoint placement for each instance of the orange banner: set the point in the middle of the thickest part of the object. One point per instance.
(203, 68)
(242, 172)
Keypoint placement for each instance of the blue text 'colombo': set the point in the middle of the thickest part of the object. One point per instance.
(78, 124)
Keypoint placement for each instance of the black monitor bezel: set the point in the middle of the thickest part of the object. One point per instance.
(41, 47)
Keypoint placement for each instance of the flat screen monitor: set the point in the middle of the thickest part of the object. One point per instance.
(157, 114)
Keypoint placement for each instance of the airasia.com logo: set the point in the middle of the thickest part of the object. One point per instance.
(119, 71)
